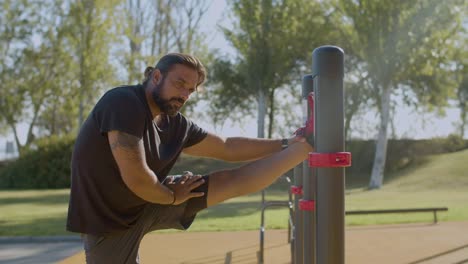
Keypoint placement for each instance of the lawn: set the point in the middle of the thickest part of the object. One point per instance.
(439, 182)
(35, 213)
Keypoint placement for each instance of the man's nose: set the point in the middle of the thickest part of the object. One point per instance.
(185, 95)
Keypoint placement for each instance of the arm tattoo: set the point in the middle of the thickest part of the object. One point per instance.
(129, 144)
(125, 141)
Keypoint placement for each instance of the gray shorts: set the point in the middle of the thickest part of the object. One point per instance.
(123, 247)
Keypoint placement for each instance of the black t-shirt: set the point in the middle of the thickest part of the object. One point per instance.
(100, 202)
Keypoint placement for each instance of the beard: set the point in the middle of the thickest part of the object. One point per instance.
(167, 106)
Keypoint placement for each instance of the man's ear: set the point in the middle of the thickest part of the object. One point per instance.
(157, 76)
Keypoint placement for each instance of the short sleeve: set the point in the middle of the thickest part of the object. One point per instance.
(120, 110)
(195, 134)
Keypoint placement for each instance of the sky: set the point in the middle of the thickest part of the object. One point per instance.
(408, 124)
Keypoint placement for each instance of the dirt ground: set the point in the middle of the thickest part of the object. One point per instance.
(442, 243)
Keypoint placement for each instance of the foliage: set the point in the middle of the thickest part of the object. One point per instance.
(18, 20)
(401, 154)
(460, 59)
(58, 57)
(151, 29)
(274, 40)
(454, 143)
(356, 99)
(89, 32)
(49, 45)
(401, 45)
(46, 167)
(462, 97)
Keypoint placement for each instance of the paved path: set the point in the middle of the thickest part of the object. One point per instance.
(40, 250)
(444, 243)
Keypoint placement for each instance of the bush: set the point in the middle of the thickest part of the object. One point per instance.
(402, 152)
(455, 143)
(45, 167)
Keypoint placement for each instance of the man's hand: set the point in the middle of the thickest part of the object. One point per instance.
(296, 138)
(182, 186)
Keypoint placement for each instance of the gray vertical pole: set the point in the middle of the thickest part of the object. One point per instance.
(328, 69)
(298, 230)
(309, 251)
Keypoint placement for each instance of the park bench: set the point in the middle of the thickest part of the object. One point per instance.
(434, 210)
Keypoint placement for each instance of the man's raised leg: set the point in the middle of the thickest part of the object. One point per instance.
(255, 175)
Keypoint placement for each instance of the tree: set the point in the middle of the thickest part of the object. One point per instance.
(24, 70)
(357, 90)
(460, 59)
(153, 28)
(462, 96)
(274, 40)
(58, 111)
(404, 46)
(89, 24)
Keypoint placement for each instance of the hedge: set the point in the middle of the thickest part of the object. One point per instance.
(45, 167)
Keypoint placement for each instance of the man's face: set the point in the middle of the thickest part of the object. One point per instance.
(174, 89)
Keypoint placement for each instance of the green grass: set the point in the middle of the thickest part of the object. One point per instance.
(440, 180)
(33, 213)
(439, 172)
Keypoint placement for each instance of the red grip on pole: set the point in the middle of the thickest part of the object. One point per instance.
(338, 159)
(309, 125)
(311, 122)
(297, 190)
(307, 205)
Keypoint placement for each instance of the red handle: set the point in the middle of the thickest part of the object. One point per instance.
(307, 205)
(338, 159)
(297, 190)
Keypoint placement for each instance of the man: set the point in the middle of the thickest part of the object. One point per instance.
(125, 149)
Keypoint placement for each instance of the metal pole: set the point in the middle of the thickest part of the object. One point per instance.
(309, 182)
(328, 69)
(298, 231)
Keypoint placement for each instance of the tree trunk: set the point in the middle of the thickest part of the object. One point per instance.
(382, 140)
(261, 100)
(347, 127)
(262, 111)
(19, 147)
(271, 114)
(462, 119)
(30, 136)
(81, 94)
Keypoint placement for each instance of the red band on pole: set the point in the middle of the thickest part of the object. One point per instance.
(338, 159)
(297, 190)
(307, 205)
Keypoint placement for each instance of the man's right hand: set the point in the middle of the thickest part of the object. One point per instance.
(182, 186)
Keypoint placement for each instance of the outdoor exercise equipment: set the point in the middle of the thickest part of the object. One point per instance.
(269, 204)
(325, 242)
(319, 183)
